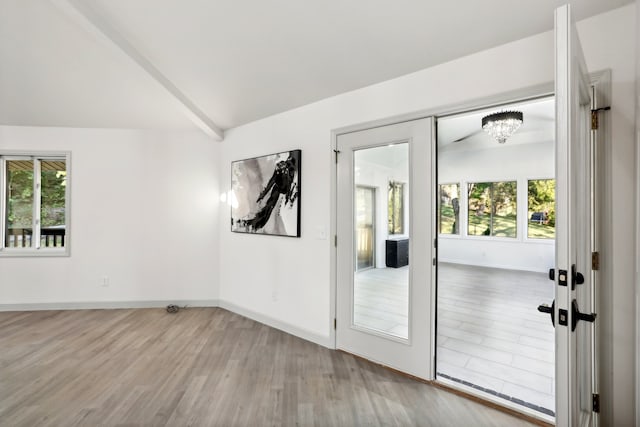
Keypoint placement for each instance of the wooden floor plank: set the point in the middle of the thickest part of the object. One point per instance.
(201, 367)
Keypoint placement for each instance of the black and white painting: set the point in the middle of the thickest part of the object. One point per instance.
(266, 194)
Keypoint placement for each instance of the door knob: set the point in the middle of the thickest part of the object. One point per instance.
(545, 308)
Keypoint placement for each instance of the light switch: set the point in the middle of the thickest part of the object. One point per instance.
(321, 233)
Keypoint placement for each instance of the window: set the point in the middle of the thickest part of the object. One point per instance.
(449, 212)
(34, 204)
(396, 207)
(541, 198)
(492, 209)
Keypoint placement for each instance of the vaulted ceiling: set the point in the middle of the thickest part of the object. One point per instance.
(143, 63)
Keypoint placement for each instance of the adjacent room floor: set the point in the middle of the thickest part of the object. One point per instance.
(490, 334)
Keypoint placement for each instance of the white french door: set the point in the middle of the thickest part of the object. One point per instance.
(574, 318)
(383, 313)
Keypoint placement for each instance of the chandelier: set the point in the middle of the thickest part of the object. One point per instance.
(502, 125)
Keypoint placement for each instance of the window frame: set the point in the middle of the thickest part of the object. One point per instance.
(37, 157)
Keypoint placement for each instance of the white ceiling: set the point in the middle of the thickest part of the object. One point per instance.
(234, 61)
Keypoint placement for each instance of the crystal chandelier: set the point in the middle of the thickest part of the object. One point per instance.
(502, 125)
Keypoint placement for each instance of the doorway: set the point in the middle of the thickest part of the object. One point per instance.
(492, 208)
(496, 244)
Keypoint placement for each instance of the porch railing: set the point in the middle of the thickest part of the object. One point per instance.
(50, 237)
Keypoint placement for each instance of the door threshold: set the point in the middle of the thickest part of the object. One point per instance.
(493, 400)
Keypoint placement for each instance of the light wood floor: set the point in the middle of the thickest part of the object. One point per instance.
(490, 333)
(201, 367)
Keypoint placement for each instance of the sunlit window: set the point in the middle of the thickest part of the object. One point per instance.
(492, 209)
(34, 206)
(449, 210)
(541, 199)
(396, 207)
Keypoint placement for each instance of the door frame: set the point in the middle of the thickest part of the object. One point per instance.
(601, 81)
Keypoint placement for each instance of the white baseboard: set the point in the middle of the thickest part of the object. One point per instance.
(278, 324)
(105, 305)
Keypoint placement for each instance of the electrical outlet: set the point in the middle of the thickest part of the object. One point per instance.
(105, 281)
(274, 296)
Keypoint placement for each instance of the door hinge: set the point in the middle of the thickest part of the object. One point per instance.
(335, 240)
(596, 402)
(336, 152)
(594, 117)
(335, 323)
(595, 260)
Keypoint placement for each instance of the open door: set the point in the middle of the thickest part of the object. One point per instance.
(383, 312)
(574, 319)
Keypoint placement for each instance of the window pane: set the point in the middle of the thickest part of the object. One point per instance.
(52, 203)
(449, 222)
(396, 207)
(504, 216)
(542, 209)
(479, 196)
(492, 209)
(19, 206)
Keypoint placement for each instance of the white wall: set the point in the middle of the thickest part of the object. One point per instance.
(287, 281)
(144, 211)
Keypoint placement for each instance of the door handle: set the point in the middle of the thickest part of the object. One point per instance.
(545, 308)
(576, 315)
(576, 277)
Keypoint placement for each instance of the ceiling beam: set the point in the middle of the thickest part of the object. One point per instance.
(97, 25)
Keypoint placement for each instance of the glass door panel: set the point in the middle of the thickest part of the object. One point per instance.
(381, 290)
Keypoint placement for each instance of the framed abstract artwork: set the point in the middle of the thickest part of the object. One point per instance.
(265, 194)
